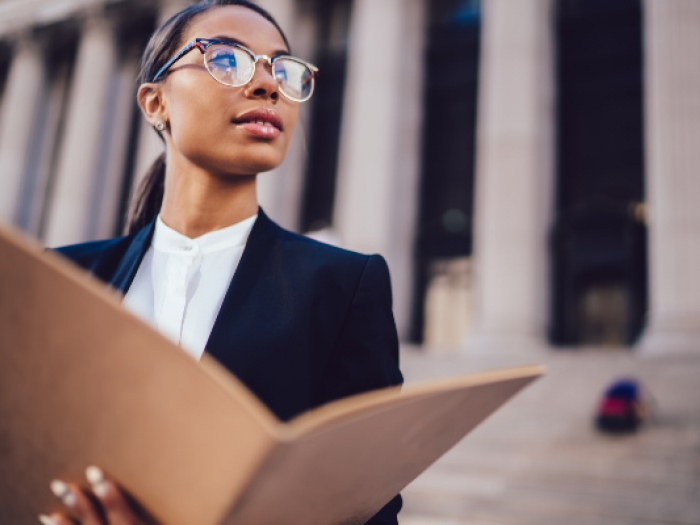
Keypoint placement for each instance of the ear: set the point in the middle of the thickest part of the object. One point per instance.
(151, 100)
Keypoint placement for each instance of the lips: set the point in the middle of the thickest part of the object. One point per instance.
(261, 117)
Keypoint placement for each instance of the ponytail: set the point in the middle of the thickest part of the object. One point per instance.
(148, 198)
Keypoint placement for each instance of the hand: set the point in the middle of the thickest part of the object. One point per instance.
(104, 504)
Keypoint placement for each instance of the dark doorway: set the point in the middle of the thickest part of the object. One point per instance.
(599, 239)
(326, 114)
(447, 180)
(6, 52)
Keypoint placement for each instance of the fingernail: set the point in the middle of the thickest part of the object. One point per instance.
(97, 480)
(62, 492)
(46, 520)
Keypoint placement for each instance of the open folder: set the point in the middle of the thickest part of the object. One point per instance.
(83, 382)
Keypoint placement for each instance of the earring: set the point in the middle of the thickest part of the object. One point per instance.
(160, 125)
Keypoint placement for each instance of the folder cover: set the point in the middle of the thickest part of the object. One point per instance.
(84, 382)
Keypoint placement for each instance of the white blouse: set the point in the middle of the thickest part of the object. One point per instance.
(181, 283)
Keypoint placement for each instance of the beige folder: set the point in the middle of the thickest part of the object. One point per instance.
(84, 382)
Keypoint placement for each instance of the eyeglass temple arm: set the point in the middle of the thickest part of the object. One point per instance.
(183, 52)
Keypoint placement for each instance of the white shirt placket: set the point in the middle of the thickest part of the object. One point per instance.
(177, 274)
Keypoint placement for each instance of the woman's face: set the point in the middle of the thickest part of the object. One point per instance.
(211, 124)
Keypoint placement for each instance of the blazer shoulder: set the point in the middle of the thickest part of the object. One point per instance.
(85, 254)
(103, 258)
(322, 252)
(326, 261)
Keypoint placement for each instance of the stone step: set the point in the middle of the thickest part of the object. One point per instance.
(540, 461)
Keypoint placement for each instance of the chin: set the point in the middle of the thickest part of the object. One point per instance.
(249, 162)
(252, 167)
(256, 161)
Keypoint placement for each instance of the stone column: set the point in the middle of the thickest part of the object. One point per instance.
(378, 169)
(25, 84)
(514, 176)
(69, 210)
(111, 168)
(280, 191)
(672, 107)
(40, 168)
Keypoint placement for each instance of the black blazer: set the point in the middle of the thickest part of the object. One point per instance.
(302, 323)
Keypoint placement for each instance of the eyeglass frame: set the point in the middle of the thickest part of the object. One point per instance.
(203, 43)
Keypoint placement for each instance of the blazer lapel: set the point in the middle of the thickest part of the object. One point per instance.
(129, 265)
(251, 270)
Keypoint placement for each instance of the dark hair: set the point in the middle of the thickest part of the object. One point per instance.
(148, 197)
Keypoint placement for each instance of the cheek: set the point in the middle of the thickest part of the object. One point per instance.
(292, 120)
(197, 123)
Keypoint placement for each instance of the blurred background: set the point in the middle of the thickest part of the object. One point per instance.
(529, 168)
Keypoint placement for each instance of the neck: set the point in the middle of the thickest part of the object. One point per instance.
(196, 202)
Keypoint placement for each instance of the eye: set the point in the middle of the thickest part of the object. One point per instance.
(224, 59)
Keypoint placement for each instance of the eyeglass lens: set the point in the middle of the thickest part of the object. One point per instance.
(229, 65)
(233, 66)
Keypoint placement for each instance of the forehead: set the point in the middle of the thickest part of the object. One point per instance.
(239, 23)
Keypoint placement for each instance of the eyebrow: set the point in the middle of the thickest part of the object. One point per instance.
(233, 40)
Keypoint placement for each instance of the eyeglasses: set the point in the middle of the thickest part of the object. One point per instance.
(233, 65)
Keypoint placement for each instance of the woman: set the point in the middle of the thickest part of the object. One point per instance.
(299, 322)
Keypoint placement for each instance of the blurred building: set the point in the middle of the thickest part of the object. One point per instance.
(529, 168)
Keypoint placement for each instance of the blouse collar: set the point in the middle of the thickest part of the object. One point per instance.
(165, 239)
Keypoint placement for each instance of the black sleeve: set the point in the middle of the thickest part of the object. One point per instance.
(366, 354)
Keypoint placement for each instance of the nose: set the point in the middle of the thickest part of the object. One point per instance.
(263, 85)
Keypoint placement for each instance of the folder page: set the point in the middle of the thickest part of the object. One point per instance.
(343, 462)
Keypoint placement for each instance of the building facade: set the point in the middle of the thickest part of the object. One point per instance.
(529, 168)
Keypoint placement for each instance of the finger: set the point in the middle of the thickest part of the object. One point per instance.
(75, 498)
(63, 492)
(114, 502)
(54, 519)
